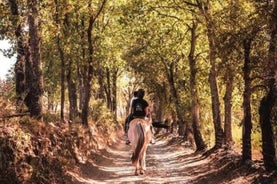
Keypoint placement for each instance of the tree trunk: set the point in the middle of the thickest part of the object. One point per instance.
(108, 89)
(62, 58)
(101, 91)
(200, 144)
(88, 72)
(269, 101)
(114, 93)
(20, 60)
(266, 106)
(72, 94)
(81, 88)
(229, 80)
(219, 136)
(88, 69)
(71, 85)
(247, 122)
(34, 78)
(175, 97)
(62, 77)
(79, 66)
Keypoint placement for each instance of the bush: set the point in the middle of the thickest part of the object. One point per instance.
(32, 151)
(102, 116)
(48, 117)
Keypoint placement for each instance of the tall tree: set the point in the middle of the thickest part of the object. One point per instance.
(88, 68)
(229, 79)
(20, 60)
(62, 57)
(72, 92)
(68, 69)
(247, 118)
(114, 92)
(268, 102)
(200, 144)
(169, 68)
(34, 78)
(204, 8)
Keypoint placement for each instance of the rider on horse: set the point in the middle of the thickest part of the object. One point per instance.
(139, 108)
(129, 117)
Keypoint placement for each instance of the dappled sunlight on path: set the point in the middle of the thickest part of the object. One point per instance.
(167, 161)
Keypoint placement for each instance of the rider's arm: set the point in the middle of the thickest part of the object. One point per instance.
(147, 112)
(132, 110)
(131, 105)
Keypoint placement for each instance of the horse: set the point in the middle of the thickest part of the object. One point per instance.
(139, 134)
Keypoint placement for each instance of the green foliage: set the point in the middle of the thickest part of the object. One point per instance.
(49, 117)
(147, 38)
(7, 89)
(101, 115)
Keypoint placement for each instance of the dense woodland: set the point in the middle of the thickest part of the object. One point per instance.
(208, 67)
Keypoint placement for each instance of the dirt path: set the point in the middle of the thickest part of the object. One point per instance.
(167, 162)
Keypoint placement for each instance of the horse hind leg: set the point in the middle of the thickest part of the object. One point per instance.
(140, 166)
(140, 170)
(142, 163)
(136, 172)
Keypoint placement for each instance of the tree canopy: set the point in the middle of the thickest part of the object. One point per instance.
(207, 65)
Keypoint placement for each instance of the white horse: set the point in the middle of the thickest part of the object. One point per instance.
(139, 135)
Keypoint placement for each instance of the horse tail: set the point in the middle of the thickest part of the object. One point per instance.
(140, 144)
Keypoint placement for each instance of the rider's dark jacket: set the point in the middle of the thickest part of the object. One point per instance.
(138, 107)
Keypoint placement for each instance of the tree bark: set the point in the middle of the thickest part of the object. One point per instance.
(80, 65)
(34, 80)
(247, 119)
(229, 80)
(67, 70)
(88, 74)
(62, 59)
(268, 102)
(72, 94)
(88, 69)
(219, 136)
(61, 53)
(102, 87)
(108, 89)
(175, 96)
(266, 106)
(19, 68)
(200, 144)
(114, 93)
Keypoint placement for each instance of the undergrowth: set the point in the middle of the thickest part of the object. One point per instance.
(40, 152)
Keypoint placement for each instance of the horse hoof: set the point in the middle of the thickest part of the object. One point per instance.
(142, 172)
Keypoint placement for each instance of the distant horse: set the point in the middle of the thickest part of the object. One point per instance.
(139, 134)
